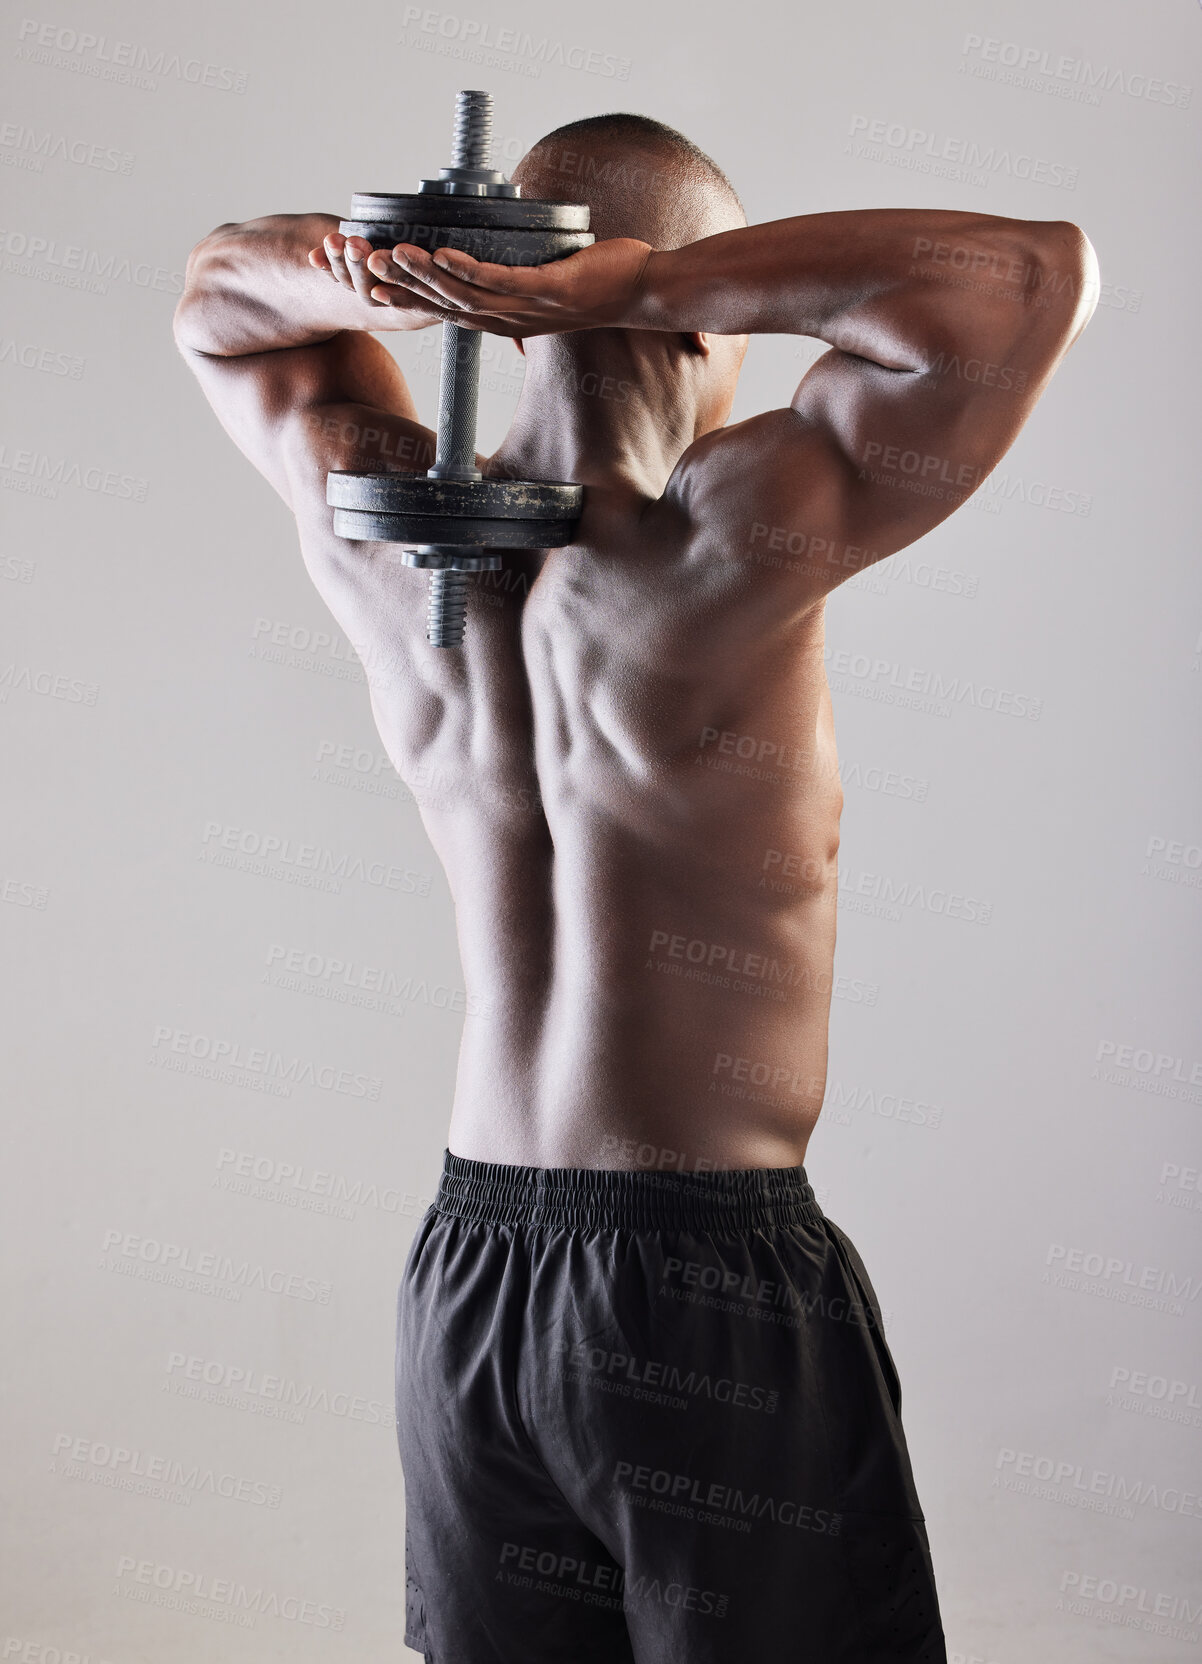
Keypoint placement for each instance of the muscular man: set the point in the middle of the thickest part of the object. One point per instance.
(646, 1411)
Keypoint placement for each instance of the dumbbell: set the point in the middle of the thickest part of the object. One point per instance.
(451, 520)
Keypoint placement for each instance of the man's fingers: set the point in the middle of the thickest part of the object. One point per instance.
(355, 252)
(333, 245)
(407, 284)
(381, 264)
(435, 275)
(388, 294)
(317, 257)
(391, 269)
(407, 278)
(524, 289)
(483, 274)
(412, 269)
(460, 265)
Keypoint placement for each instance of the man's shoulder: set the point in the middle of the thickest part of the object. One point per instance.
(768, 469)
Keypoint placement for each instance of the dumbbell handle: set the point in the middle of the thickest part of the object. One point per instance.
(458, 401)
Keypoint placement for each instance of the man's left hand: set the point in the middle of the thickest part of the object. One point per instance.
(593, 289)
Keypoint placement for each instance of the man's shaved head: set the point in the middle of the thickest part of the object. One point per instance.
(639, 177)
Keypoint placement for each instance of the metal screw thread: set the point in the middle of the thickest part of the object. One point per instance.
(472, 147)
(447, 608)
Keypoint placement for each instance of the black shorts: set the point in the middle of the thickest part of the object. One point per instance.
(652, 1417)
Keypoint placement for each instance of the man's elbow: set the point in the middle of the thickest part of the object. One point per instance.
(1065, 277)
(207, 279)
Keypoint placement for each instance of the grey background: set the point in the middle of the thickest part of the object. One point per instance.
(165, 670)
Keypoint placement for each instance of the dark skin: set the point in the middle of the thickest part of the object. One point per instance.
(645, 905)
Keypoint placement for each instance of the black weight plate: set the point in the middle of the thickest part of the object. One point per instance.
(457, 532)
(474, 499)
(500, 245)
(431, 208)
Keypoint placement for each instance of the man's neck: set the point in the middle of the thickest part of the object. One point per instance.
(613, 418)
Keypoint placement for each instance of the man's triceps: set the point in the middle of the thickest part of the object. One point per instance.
(781, 491)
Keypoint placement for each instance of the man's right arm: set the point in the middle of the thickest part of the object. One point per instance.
(286, 356)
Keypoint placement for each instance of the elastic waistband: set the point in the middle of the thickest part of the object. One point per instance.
(583, 1198)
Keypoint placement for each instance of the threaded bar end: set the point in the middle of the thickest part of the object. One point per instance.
(472, 147)
(446, 612)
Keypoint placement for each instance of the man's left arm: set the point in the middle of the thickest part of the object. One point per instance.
(945, 327)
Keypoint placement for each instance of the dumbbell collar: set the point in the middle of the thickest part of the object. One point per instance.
(469, 182)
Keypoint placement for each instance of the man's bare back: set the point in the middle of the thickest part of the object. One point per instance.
(629, 771)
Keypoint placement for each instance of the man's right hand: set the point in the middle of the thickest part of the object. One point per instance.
(346, 260)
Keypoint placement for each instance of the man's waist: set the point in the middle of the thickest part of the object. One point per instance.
(731, 1199)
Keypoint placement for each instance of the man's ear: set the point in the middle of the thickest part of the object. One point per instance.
(696, 340)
